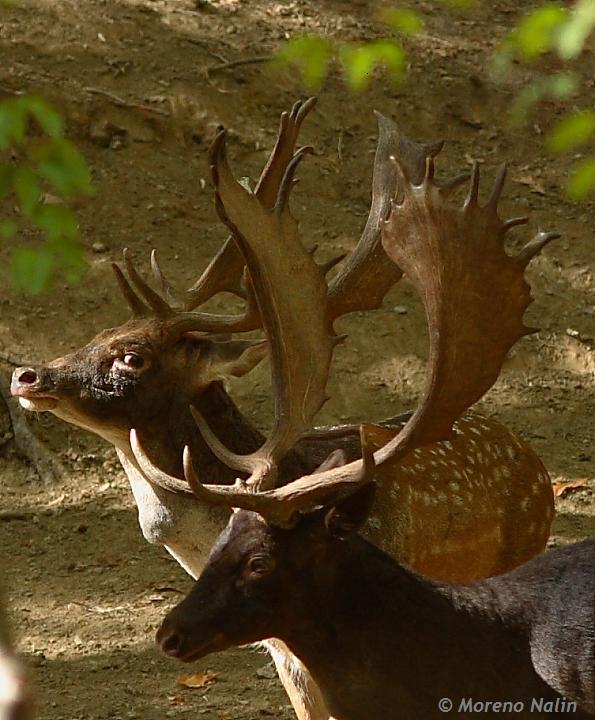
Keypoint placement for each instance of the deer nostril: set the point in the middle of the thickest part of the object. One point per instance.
(27, 376)
(171, 644)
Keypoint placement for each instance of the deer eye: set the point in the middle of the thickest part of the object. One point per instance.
(131, 360)
(260, 565)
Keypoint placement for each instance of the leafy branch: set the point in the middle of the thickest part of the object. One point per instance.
(41, 171)
(551, 29)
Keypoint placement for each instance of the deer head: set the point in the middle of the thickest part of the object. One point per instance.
(248, 591)
(146, 372)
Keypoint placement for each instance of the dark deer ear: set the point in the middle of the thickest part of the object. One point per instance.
(235, 358)
(349, 515)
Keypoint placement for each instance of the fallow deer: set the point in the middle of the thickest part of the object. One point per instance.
(380, 640)
(483, 489)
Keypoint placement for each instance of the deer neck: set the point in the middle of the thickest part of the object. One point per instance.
(184, 526)
(165, 434)
(362, 668)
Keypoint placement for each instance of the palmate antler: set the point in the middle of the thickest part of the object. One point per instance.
(290, 292)
(366, 277)
(474, 295)
(225, 273)
(361, 283)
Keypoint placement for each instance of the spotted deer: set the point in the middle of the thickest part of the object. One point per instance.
(483, 488)
(380, 640)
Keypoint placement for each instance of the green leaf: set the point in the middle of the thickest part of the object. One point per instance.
(312, 55)
(56, 221)
(359, 61)
(8, 228)
(47, 118)
(573, 35)
(536, 32)
(13, 121)
(59, 162)
(27, 189)
(69, 257)
(571, 131)
(6, 179)
(582, 180)
(402, 19)
(31, 270)
(556, 87)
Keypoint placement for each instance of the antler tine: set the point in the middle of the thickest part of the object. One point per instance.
(494, 198)
(446, 187)
(471, 199)
(283, 506)
(290, 291)
(474, 295)
(535, 246)
(367, 276)
(152, 473)
(139, 309)
(166, 288)
(224, 272)
(159, 306)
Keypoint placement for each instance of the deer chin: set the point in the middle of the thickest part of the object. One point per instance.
(217, 644)
(38, 404)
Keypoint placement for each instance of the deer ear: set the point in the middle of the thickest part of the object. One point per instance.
(349, 516)
(235, 358)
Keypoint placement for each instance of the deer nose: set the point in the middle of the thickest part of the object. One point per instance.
(170, 642)
(25, 376)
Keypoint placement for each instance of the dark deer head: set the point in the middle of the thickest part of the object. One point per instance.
(259, 576)
(132, 375)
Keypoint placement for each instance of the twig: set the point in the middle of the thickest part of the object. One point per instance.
(120, 102)
(238, 63)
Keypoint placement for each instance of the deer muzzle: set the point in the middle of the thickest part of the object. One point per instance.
(33, 388)
(187, 646)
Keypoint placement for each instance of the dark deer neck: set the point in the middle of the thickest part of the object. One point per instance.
(166, 435)
(363, 669)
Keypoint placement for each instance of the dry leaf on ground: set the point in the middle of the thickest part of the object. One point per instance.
(198, 679)
(563, 488)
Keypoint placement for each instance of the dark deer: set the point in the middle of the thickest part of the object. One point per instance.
(147, 372)
(380, 640)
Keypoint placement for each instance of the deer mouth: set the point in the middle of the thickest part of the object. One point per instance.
(37, 403)
(216, 645)
(196, 652)
(31, 389)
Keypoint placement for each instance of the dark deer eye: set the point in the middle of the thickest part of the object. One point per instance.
(260, 565)
(133, 360)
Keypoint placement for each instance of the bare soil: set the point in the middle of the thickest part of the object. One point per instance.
(86, 592)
